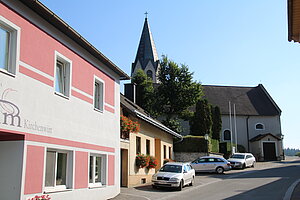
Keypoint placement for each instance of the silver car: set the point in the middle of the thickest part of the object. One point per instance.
(211, 164)
(174, 174)
(242, 160)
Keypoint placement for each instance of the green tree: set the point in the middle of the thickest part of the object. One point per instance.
(297, 154)
(216, 122)
(201, 122)
(145, 91)
(177, 91)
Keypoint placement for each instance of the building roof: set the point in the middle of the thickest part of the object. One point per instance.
(293, 7)
(137, 111)
(146, 51)
(62, 26)
(261, 136)
(249, 101)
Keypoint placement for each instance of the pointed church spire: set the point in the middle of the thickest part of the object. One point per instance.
(146, 57)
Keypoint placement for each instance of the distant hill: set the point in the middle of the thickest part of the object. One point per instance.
(291, 151)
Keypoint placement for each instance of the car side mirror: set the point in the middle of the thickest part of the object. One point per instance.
(184, 171)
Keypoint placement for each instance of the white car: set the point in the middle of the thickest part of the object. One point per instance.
(174, 174)
(242, 160)
(211, 164)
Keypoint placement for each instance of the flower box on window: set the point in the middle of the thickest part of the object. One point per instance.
(127, 126)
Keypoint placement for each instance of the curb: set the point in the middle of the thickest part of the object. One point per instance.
(291, 189)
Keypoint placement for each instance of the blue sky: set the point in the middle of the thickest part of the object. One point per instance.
(232, 42)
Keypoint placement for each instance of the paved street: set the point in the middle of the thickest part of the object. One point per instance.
(268, 180)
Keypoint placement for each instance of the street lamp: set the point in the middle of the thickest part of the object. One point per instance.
(206, 139)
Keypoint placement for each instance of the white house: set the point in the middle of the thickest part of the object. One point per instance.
(59, 109)
(257, 123)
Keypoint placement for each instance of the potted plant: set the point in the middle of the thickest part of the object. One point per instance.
(42, 197)
(141, 160)
(127, 126)
(152, 162)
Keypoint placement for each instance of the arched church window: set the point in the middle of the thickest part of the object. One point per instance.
(150, 74)
(259, 126)
(227, 135)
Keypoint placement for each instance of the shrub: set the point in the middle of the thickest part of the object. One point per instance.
(141, 160)
(192, 144)
(152, 162)
(215, 145)
(241, 148)
(297, 154)
(166, 161)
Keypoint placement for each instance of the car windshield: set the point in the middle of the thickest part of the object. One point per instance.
(171, 168)
(238, 156)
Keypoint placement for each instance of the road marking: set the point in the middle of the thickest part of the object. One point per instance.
(289, 192)
(136, 196)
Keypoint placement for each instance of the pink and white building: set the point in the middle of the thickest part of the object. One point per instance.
(59, 109)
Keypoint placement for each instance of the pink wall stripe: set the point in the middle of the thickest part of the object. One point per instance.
(109, 109)
(35, 76)
(58, 141)
(82, 97)
(34, 170)
(111, 170)
(81, 169)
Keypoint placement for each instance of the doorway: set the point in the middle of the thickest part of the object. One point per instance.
(124, 168)
(269, 151)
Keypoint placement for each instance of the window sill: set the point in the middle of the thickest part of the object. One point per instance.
(7, 73)
(96, 186)
(61, 95)
(98, 110)
(56, 190)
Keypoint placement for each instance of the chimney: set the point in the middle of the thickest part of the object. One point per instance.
(130, 91)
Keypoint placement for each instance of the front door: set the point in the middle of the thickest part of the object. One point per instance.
(124, 168)
(269, 151)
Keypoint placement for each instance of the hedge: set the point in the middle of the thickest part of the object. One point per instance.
(191, 144)
(214, 145)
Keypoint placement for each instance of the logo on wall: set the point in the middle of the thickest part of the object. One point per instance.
(11, 114)
(10, 111)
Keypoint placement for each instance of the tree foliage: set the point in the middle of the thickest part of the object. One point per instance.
(177, 91)
(216, 122)
(201, 122)
(145, 92)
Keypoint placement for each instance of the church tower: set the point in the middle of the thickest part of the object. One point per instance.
(146, 57)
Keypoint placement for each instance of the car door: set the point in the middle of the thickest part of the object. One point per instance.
(186, 174)
(199, 164)
(210, 164)
(248, 160)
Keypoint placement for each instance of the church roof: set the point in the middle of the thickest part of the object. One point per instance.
(146, 51)
(253, 101)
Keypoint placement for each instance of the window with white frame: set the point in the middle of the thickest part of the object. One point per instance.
(58, 170)
(259, 126)
(98, 95)
(8, 46)
(62, 75)
(97, 170)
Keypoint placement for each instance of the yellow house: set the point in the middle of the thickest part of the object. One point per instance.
(153, 138)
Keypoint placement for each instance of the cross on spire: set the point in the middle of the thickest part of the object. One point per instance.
(146, 13)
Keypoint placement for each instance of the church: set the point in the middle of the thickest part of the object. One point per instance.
(256, 125)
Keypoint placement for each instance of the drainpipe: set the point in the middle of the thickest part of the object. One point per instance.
(248, 141)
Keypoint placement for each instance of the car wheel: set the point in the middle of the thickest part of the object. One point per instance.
(192, 181)
(244, 166)
(154, 186)
(253, 164)
(220, 170)
(180, 186)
